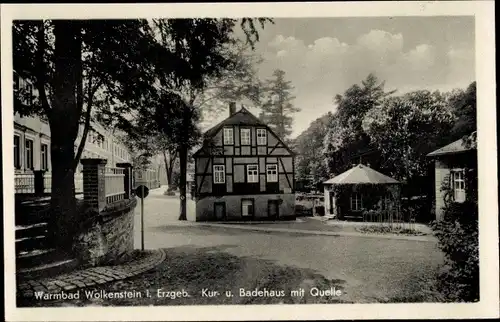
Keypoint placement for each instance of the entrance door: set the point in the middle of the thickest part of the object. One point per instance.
(273, 209)
(220, 210)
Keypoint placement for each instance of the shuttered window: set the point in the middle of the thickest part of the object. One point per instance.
(252, 173)
(272, 172)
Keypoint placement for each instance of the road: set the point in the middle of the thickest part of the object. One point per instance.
(370, 269)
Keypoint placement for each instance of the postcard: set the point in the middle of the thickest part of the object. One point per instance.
(249, 161)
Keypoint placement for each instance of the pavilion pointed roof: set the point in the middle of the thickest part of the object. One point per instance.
(361, 174)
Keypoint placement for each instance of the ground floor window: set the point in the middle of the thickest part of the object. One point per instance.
(247, 207)
(386, 200)
(356, 201)
(17, 152)
(44, 157)
(458, 185)
(29, 153)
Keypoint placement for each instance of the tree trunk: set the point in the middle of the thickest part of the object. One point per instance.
(64, 128)
(168, 170)
(183, 151)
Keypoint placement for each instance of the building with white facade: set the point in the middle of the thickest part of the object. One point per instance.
(32, 144)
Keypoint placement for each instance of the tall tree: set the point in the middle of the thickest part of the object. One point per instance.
(406, 128)
(121, 61)
(216, 72)
(70, 61)
(277, 108)
(237, 82)
(346, 142)
(463, 103)
(309, 148)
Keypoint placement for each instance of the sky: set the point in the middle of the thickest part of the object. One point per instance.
(322, 57)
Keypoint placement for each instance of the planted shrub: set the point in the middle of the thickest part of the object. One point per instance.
(417, 208)
(303, 211)
(458, 234)
(320, 210)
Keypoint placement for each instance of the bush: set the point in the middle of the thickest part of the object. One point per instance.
(458, 239)
(376, 229)
(418, 208)
(303, 211)
(320, 210)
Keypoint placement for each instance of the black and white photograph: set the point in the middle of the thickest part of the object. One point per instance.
(238, 161)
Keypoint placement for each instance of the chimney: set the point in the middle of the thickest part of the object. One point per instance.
(232, 108)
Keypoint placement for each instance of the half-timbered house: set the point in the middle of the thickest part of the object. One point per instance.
(244, 171)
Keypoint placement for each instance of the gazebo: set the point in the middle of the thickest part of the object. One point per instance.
(363, 193)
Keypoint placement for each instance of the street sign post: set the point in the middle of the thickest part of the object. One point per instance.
(142, 192)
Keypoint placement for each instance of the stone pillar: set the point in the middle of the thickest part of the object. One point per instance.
(94, 189)
(127, 170)
(39, 184)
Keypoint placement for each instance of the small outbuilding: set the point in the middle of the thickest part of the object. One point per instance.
(363, 193)
(452, 164)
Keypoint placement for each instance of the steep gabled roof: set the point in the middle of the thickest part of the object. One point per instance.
(361, 174)
(241, 117)
(467, 143)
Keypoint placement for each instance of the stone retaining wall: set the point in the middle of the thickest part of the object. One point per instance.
(107, 236)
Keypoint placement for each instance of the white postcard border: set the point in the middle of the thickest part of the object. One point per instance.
(485, 70)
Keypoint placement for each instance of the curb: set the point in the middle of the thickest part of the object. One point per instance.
(321, 233)
(93, 276)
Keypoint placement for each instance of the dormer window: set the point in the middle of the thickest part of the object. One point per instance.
(228, 136)
(245, 136)
(261, 137)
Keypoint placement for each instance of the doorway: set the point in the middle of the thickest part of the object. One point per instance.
(220, 211)
(273, 209)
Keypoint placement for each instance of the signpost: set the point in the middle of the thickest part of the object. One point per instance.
(142, 192)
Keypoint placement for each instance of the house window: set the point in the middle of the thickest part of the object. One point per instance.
(261, 137)
(272, 172)
(17, 152)
(252, 173)
(386, 200)
(219, 174)
(356, 202)
(458, 185)
(245, 136)
(247, 208)
(29, 153)
(228, 136)
(44, 157)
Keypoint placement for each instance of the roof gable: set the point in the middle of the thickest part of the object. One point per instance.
(241, 117)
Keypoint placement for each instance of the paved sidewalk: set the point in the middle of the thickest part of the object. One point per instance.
(90, 277)
(253, 227)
